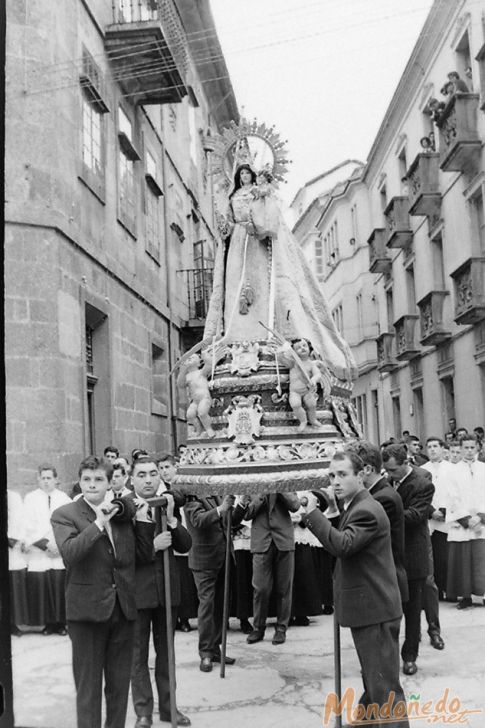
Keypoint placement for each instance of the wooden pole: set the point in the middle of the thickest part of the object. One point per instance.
(161, 521)
(337, 667)
(227, 574)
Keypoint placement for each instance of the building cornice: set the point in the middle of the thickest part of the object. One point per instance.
(199, 25)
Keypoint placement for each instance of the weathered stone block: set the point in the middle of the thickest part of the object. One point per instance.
(17, 371)
(41, 310)
(69, 317)
(125, 396)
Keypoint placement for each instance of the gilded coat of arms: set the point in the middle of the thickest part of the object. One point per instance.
(244, 417)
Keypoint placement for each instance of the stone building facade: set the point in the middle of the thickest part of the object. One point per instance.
(403, 241)
(109, 237)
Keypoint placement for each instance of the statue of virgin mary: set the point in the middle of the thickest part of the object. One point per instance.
(262, 280)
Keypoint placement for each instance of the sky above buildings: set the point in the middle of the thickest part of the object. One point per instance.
(322, 71)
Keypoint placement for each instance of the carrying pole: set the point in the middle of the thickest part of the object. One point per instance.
(227, 574)
(337, 667)
(161, 521)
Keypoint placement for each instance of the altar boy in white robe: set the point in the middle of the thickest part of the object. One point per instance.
(45, 568)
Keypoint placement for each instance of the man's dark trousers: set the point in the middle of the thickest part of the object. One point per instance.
(412, 613)
(210, 590)
(376, 646)
(140, 677)
(96, 646)
(276, 567)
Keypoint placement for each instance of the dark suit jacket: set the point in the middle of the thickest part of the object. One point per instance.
(384, 493)
(271, 521)
(365, 583)
(416, 492)
(208, 532)
(149, 577)
(95, 573)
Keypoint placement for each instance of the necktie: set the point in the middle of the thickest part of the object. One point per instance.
(48, 502)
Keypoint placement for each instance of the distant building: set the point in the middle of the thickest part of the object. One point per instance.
(418, 206)
(109, 221)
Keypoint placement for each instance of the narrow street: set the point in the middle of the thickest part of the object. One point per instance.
(269, 687)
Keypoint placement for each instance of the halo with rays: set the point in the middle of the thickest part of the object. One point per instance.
(266, 150)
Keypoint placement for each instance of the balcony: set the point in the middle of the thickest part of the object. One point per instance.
(433, 330)
(379, 260)
(469, 284)
(385, 359)
(399, 233)
(424, 186)
(459, 140)
(147, 48)
(406, 347)
(198, 285)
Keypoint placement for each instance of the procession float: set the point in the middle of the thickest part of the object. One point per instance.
(269, 385)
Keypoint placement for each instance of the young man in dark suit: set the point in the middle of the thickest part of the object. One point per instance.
(273, 550)
(206, 523)
(415, 487)
(366, 592)
(150, 602)
(99, 546)
(383, 492)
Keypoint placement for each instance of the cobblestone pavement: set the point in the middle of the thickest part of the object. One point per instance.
(269, 686)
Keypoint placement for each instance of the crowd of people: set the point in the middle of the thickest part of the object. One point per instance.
(393, 530)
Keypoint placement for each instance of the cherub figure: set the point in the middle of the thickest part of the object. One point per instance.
(305, 375)
(193, 376)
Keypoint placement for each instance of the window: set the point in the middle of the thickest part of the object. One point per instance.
(438, 262)
(410, 289)
(152, 207)
(376, 434)
(331, 246)
(360, 316)
(152, 226)
(448, 397)
(463, 59)
(124, 124)
(127, 156)
(92, 137)
(396, 415)
(403, 170)
(479, 220)
(383, 198)
(318, 258)
(160, 381)
(127, 191)
(355, 223)
(390, 309)
(98, 404)
(418, 412)
(360, 404)
(338, 318)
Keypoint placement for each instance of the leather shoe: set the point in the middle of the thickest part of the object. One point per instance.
(409, 668)
(206, 664)
(181, 718)
(256, 636)
(464, 603)
(62, 631)
(184, 626)
(327, 609)
(246, 626)
(47, 630)
(279, 636)
(228, 660)
(437, 641)
(143, 721)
